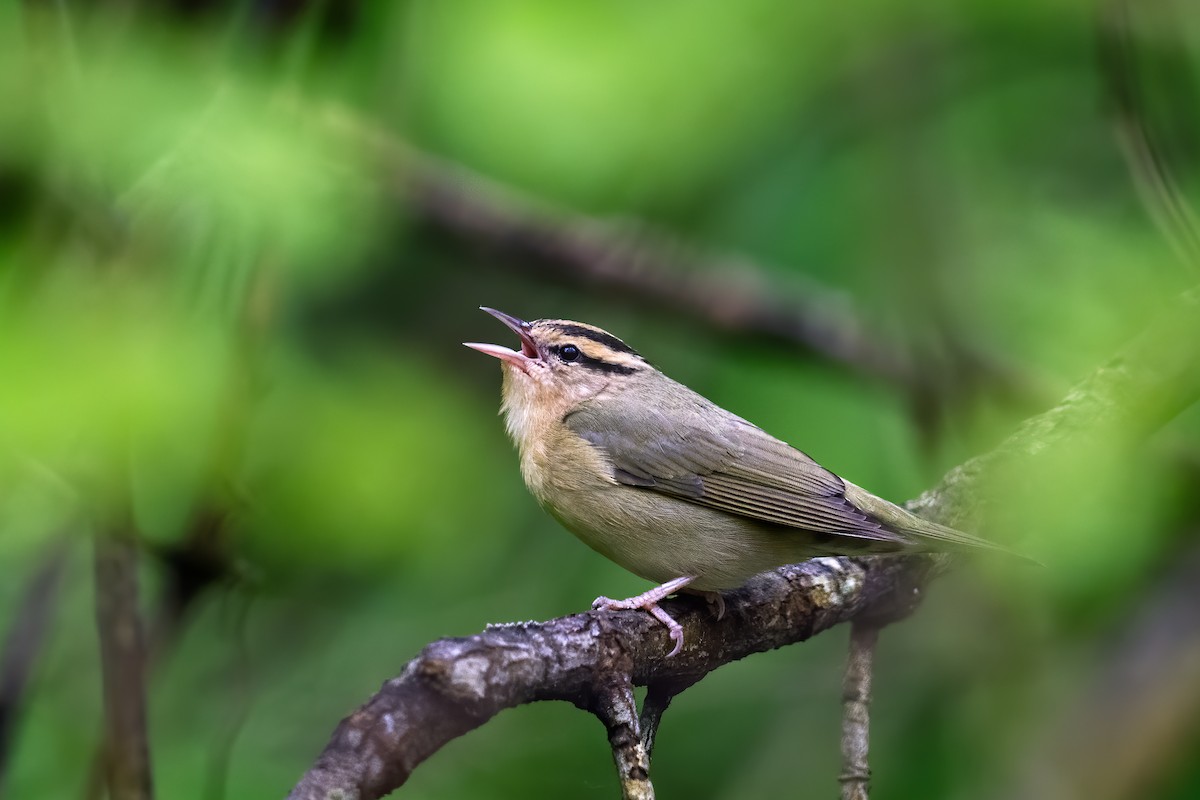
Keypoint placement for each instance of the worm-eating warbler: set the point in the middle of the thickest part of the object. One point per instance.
(671, 486)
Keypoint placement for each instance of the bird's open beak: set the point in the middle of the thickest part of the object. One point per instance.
(518, 358)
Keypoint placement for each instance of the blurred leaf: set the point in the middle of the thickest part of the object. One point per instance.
(363, 464)
(93, 367)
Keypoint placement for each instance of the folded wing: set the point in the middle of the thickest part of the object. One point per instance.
(727, 464)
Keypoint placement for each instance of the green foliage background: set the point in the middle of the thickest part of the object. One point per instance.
(215, 299)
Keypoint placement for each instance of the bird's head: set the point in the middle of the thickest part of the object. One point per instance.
(560, 364)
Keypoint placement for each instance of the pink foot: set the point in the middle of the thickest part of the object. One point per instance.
(649, 602)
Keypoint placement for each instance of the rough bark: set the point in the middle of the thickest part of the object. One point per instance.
(455, 685)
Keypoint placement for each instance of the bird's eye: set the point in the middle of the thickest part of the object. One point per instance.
(568, 352)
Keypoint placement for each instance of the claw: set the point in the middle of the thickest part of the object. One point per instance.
(648, 601)
(716, 599)
(675, 629)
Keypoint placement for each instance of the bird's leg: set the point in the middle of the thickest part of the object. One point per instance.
(649, 602)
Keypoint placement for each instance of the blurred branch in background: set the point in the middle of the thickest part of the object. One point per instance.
(455, 685)
(123, 665)
(1143, 387)
(228, 298)
(191, 567)
(633, 258)
(637, 261)
(22, 646)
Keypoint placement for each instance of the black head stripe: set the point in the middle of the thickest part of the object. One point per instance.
(599, 337)
(597, 364)
(605, 366)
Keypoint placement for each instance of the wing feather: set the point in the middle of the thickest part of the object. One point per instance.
(725, 463)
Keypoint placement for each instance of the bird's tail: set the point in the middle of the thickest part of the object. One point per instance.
(926, 536)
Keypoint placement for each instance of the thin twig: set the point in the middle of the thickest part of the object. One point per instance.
(123, 667)
(856, 711)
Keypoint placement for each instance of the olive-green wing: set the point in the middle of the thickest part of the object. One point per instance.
(692, 449)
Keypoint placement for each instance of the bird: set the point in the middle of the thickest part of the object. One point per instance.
(668, 484)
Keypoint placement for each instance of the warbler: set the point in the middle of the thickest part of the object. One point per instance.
(668, 484)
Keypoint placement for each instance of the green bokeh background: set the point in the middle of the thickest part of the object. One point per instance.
(215, 298)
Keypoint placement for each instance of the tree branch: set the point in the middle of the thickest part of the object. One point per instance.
(616, 707)
(455, 685)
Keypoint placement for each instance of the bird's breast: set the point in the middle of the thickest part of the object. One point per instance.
(648, 533)
(559, 463)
